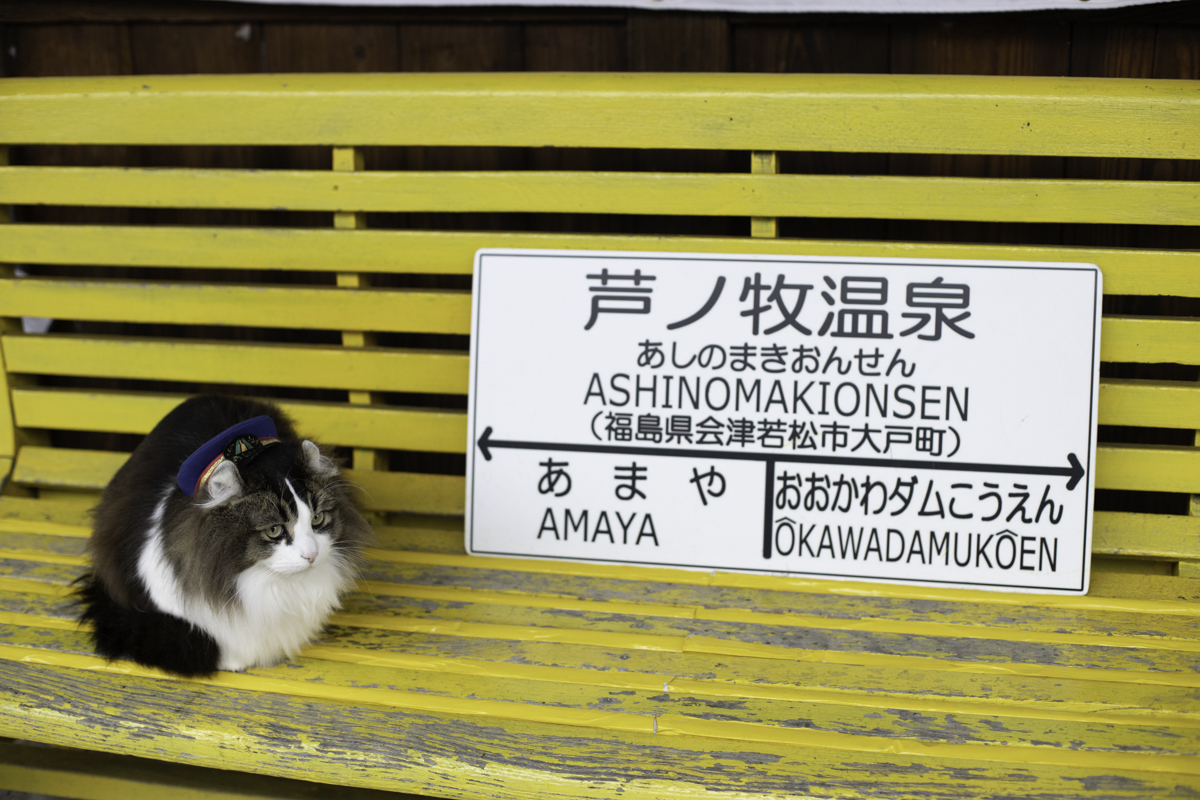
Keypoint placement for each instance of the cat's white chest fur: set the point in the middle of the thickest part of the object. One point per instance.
(284, 599)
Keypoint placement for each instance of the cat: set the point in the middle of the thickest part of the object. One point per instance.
(223, 543)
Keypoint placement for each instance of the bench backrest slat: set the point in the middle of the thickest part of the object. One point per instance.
(1126, 271)
(821, 196)
(393, 428)
(217, 362)
(295, 307)
(843, 113)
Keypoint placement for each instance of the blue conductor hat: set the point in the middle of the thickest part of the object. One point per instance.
(242, 442)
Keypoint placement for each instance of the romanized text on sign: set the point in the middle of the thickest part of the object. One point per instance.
(874, 419)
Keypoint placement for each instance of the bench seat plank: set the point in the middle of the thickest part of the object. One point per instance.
(478, 691)
(483, 593)
(669, 711)
(877, 684)
(549, 191)
(573, 700)
(830, 622)
(1125, 660)
(1126, 271)
(1128, 641)
(1043, 702)
(844, 113)
(436, 752)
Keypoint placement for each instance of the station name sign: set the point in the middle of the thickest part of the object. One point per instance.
(901, 420)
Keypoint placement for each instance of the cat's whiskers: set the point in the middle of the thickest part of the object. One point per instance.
(351, 484)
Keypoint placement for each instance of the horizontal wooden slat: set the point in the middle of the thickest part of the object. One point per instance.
(410, 492)
(732, 631)
(1165, 404)
(1124, 339)
(425, 533)
(71, 469)
(54, 512)
(1163, 536)
(1138, 468)
(382, 427)
(381, 491)
(847, 113)
(365, 369)
(1151, 404)
(410, 310)
(1150, 340)
(1148, 468)
(871, 197)
(1115, 601)
(1145, 272)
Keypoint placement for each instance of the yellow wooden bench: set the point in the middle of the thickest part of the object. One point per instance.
(469, 677)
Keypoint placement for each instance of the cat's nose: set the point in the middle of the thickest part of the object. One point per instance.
(309, 558)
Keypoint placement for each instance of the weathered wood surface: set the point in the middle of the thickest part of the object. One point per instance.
(451, 755)
(470, 677)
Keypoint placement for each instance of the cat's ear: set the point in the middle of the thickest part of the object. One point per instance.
(318, 463)
(224, 484)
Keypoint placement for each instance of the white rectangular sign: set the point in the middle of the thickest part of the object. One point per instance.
(917, 421)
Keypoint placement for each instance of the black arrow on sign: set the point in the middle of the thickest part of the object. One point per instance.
(1074, 473)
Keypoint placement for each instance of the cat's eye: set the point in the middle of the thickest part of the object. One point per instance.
(275, 532)
(318, 519)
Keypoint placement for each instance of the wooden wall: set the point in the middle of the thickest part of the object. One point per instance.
(78, 38)
(106, 38)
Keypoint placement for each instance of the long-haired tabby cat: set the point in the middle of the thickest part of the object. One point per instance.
(224, 542)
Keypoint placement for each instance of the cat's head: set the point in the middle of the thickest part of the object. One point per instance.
(286, 511)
